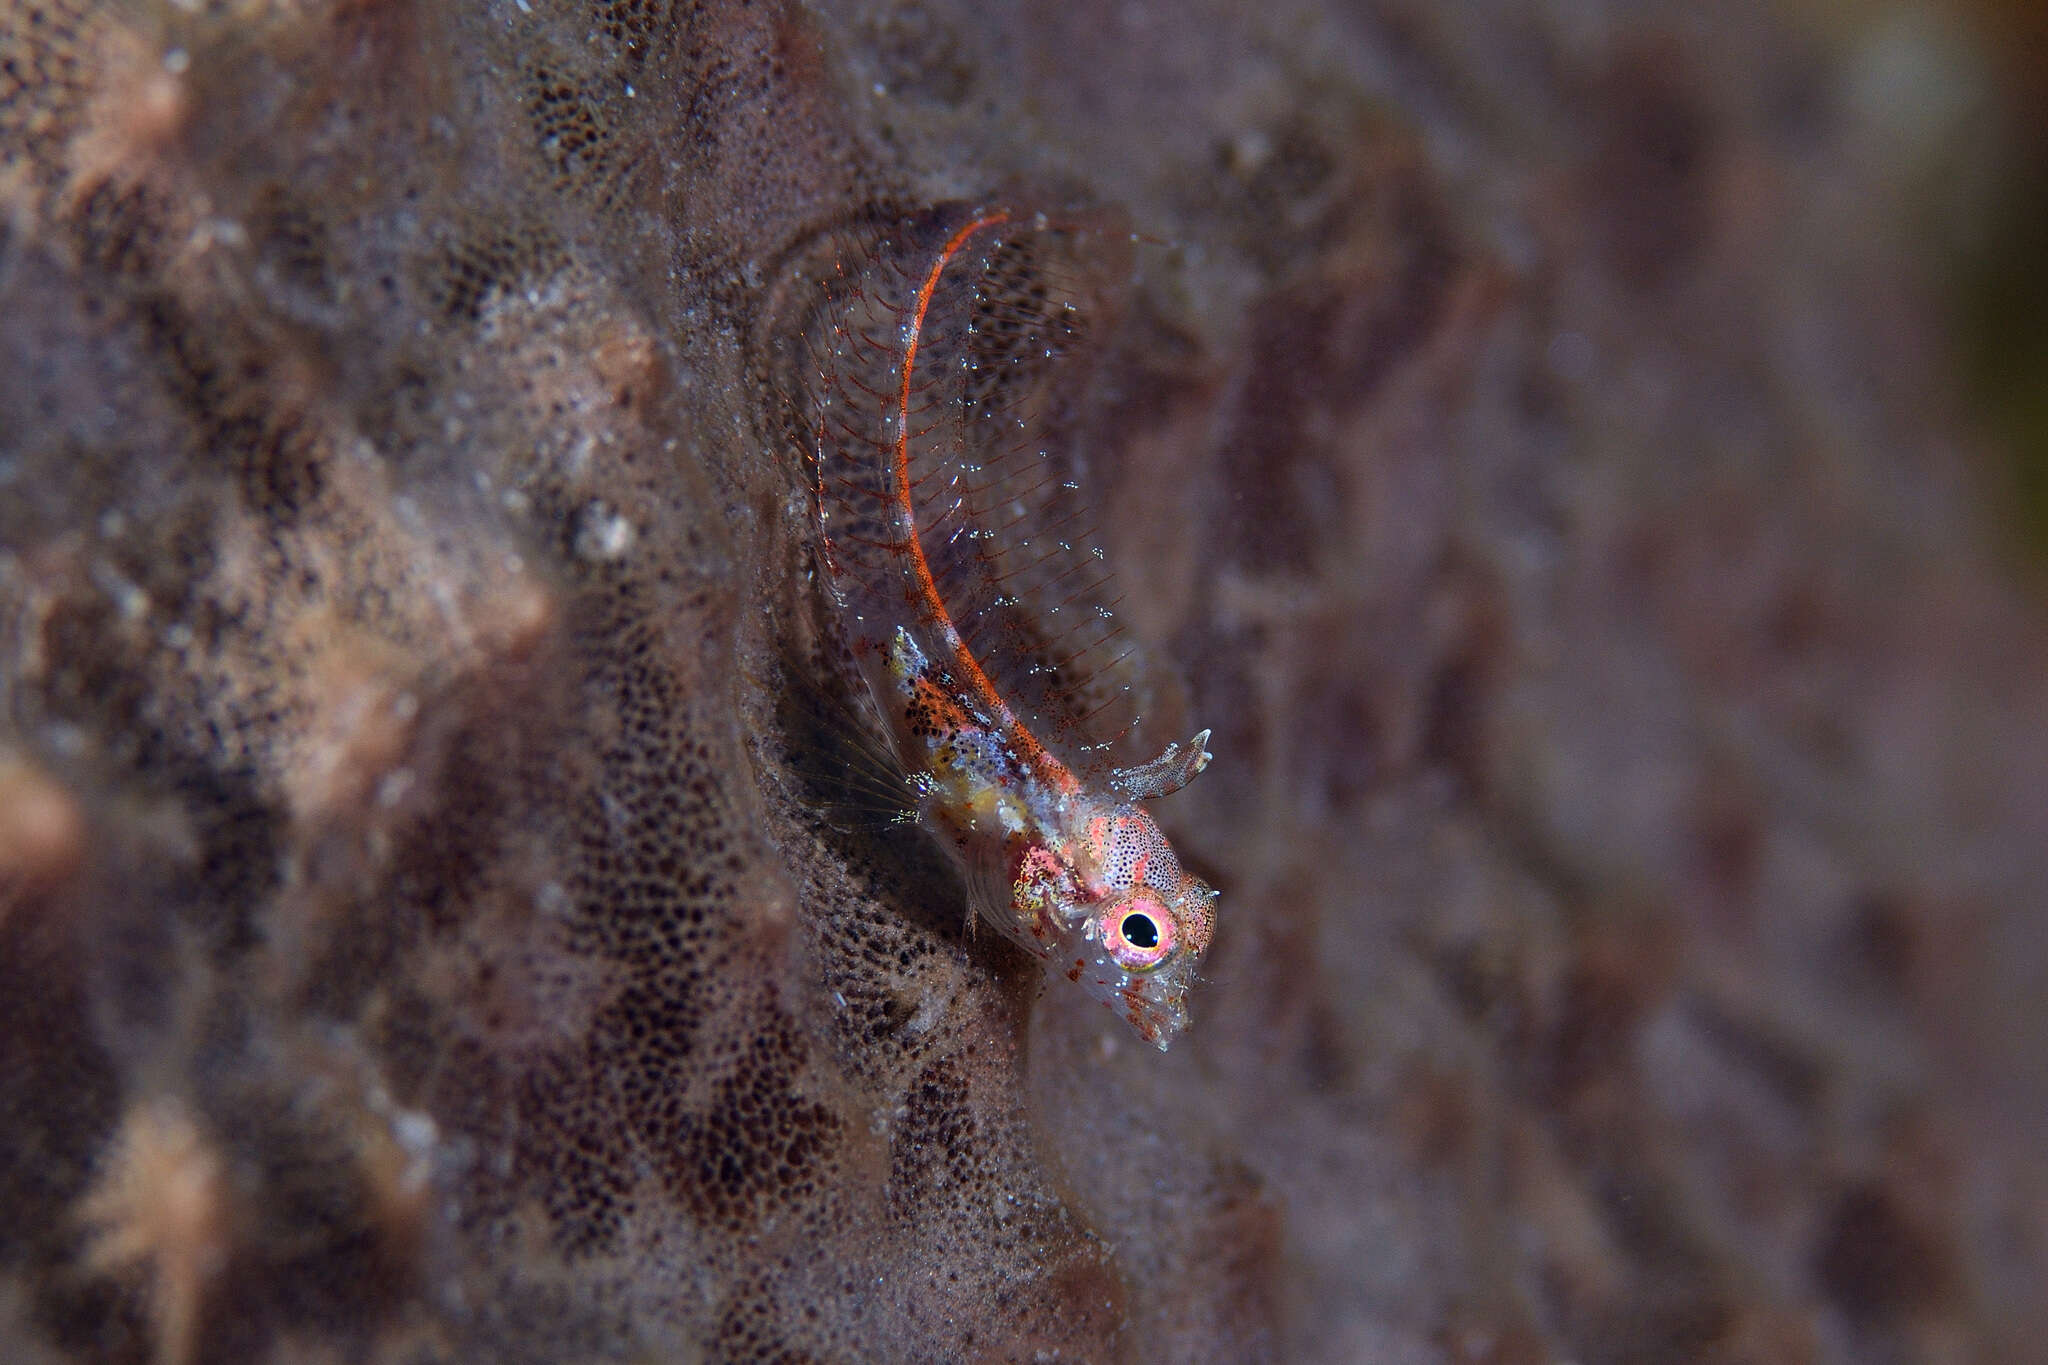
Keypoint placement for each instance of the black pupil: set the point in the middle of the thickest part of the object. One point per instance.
(1140, 931)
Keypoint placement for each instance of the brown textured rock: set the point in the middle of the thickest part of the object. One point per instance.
(419, 935)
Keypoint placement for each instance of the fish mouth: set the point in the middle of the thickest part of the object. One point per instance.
(1160, 1022)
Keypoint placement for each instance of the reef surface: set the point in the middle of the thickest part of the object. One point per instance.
(1529, 439)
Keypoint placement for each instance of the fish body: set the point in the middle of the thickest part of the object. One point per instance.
(938, 388)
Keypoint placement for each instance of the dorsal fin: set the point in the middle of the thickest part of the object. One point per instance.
(942, 387)
(1011, 528)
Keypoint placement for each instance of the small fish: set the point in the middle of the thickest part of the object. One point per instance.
(934, 397)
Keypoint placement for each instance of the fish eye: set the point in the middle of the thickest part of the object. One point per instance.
(1138, 933)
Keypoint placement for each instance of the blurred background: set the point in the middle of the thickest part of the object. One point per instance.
(1586, 462)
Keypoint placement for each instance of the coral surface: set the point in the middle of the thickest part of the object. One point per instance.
(1527, 438)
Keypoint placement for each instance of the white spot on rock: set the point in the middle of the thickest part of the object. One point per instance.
(602, 533)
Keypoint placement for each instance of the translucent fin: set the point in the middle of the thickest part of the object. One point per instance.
(940, 382)
(988, 895)
(1005, 519)
(838, 749)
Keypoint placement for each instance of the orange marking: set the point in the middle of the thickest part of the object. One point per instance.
(970, 672)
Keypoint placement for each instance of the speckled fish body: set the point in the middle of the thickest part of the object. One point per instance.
(933, 376)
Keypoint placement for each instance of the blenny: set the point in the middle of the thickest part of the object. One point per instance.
(938, 379)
